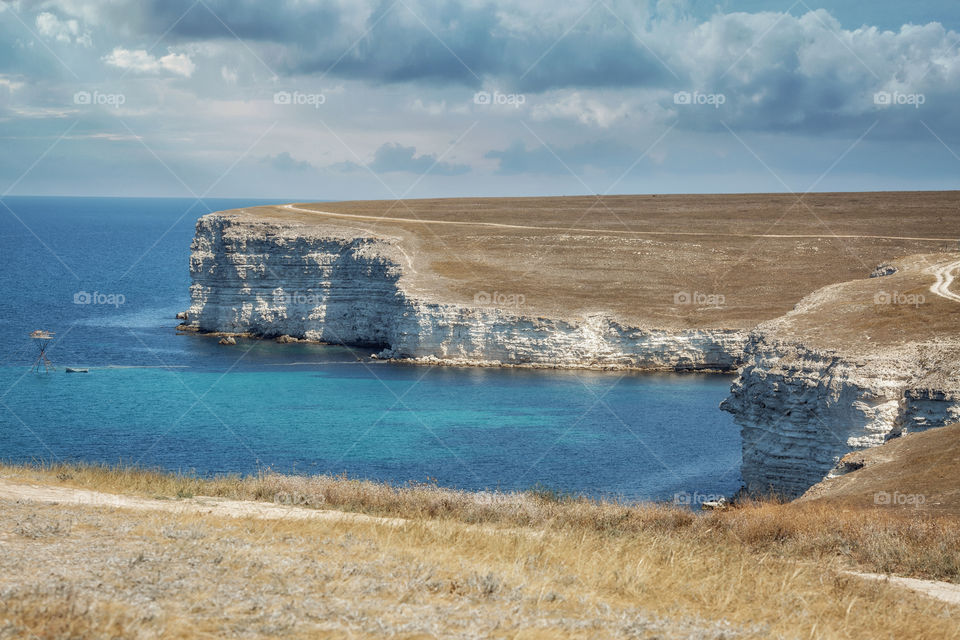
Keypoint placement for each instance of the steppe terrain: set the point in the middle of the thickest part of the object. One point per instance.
(102, 552)
(629, 256)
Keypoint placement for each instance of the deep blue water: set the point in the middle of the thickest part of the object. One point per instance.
(183, 402)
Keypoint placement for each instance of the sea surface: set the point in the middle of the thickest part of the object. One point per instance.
(107, 275)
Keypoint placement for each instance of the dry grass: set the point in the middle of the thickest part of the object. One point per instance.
(539, 567)
(913, 544)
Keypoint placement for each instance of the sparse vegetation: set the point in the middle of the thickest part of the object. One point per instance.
(534, 564)
(911, 544)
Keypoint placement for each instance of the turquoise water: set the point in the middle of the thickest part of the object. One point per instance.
(185, 403)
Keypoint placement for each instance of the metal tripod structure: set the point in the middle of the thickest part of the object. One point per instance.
(42, 338)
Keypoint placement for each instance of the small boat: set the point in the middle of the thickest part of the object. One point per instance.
(69, 370)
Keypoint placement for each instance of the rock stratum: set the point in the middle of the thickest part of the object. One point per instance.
(852, 366)
(829, 359)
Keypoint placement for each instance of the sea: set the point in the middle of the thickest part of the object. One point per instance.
(108, 275)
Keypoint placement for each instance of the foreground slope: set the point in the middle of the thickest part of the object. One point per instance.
(151, 559)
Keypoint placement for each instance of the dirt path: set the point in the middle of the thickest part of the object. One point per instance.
(499, 225)
(944, 279)
(946, 591)
(10, 490)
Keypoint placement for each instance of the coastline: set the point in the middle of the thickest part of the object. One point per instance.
(295, 274)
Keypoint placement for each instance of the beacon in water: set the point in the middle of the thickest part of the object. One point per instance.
(42, 338)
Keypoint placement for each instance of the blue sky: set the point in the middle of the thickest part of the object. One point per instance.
(338, 99)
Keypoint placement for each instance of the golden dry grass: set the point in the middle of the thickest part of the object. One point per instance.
(538, 567)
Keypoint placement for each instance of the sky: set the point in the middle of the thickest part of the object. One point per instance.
(358, 99)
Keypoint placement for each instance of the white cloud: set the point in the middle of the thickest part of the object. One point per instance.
(431, 108)
(588, 111)
(140, 61)
(777, 69)
(229, 75)
(66, 31)
(10, 84)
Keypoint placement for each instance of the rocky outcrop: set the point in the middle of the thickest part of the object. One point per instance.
(802, 408)
(324, 285)
(800, 411)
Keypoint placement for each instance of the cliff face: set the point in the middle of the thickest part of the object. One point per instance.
(333, 287)
(271, 280)
(800, 411)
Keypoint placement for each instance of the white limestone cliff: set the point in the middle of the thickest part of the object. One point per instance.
(800, 411)
(328, 286)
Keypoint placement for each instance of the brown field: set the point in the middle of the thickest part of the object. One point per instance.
(149, 557)
(628, 255)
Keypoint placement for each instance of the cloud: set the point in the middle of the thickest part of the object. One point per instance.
(10, 84)
(586, 110)
(441, 42)
(805, 73)
(283, 161)
(142, 62)
(65, 31)
(598, 80)
(229, 76)
(801, 72)
(395, 157)
(576, 158)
